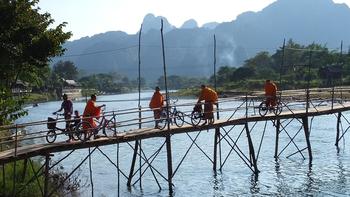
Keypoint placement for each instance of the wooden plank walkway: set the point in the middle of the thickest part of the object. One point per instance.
(144, 133)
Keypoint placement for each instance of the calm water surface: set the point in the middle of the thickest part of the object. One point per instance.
(328, 176)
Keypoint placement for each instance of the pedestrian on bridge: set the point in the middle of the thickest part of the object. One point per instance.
(270, 93)
(156, 104)
(210, 97)
(67, 107)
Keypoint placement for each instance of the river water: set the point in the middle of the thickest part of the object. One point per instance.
(328, 176)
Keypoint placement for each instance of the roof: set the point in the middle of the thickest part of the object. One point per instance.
(71, 82)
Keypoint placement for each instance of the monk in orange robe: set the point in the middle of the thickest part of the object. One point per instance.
(210, 97)
(270, 93)
(156, 105)
(91, 111)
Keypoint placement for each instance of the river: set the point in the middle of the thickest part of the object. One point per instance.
(328, 176)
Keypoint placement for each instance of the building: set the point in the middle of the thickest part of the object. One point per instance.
(71, 88)
(21, 87)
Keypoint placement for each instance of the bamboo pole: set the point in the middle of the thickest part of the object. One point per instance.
(133, 163)
(169, 161)
(139, 78)
(46, 182)
(168, 142)
(217, 130)
(278, 124)
(118, 170)
(251, 149)
(90, 172)
(305, 121)
(140, 163)
(338, 129)
(15, 165)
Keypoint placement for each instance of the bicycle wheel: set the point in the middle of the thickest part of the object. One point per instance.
(85, 129)
(263, 108)
(278, 108)
(110, 129)
(162, 123)
(74, 133)
(196, 118)
(51, 136)
(179, 119)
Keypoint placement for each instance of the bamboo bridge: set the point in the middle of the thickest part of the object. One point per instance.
(301, 107)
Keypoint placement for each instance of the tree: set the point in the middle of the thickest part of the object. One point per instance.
(224, 74)
(27, 42)
(65, 70)
(243, 73)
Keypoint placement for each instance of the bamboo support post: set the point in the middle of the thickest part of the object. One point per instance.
(46, 182)
(251, 150)
(338, 129)
(278, 124)
(133, 163)
(305, 121)
(170, 165)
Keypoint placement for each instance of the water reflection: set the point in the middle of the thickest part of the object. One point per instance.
(254, 184)
(218, 184)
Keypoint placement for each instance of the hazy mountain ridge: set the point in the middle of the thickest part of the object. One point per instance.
(189, 49)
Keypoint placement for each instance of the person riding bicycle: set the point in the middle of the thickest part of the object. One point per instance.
(270, 93)
(210, 97)
(67, 107)
(156, 105)
(91, 111)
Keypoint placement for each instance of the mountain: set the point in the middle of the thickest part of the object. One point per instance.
(211, 25)
(189, 49)
(189, 24)
(151, 22)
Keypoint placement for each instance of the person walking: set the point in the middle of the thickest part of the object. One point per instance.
(67, 107)
(156, 104)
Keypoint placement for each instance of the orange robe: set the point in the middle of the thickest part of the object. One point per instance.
(210, 97)
(157, 101)
(270, 93)
(90, 112)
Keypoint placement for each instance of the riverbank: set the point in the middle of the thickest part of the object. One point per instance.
(32, 98)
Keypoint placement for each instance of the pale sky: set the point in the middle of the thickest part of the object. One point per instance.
(89, 17)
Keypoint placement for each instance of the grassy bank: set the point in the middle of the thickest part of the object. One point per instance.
(18, 178)
(38, 98)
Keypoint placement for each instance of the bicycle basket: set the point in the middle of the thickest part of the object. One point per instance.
(51, 123)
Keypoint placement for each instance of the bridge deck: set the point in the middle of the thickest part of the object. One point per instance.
(144, 133)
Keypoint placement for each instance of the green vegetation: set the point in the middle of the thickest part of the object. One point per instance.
(24, 172)
(300, 63)
(26, 186)
(178, 82)
(36, 97)
(312, 65)
(109, 83)
(27, 43)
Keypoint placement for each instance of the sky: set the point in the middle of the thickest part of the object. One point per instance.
(90, 17)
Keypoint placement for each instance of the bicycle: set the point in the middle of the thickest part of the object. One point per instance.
(197, 115)
(86, 130)
(276, 109)
(175, 116)
(51, 135)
